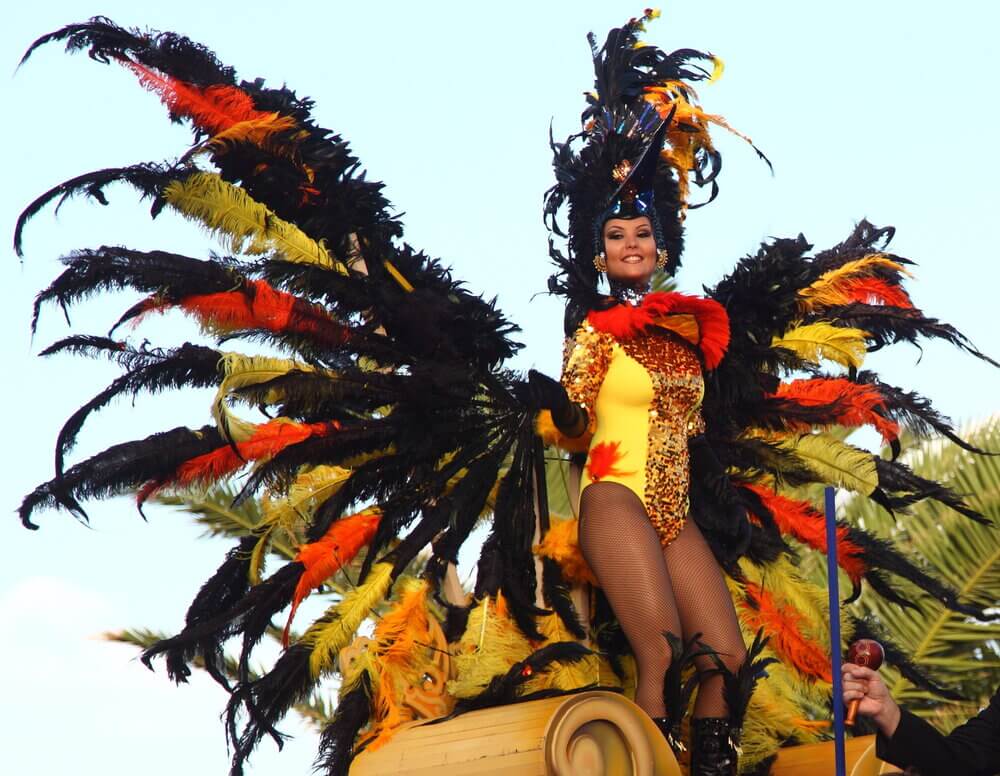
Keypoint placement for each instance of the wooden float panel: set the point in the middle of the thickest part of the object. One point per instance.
(819, 759)
(502, 740)
(582, 734)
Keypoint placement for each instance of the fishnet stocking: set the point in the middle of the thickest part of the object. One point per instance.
(623, 550)
(705, 606)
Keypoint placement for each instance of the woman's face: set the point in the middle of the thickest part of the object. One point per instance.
(630, 248)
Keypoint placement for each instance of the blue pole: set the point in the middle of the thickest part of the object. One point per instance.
(834, 589)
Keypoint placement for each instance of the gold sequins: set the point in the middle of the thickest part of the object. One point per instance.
(585, 363)
(677, 391)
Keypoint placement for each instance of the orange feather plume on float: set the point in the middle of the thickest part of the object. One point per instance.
(782, 623)
(402, 637)
(803, 523)
(325, 557)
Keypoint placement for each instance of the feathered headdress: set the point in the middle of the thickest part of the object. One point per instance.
(644, 140)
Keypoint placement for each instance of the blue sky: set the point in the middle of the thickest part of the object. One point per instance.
(881, 110)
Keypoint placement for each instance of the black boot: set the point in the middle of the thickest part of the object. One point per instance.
(670, 733)
(713, 747)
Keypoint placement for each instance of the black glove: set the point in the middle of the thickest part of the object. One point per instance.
(544, 393)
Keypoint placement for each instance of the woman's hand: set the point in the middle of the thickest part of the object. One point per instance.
(867, 686)
(548, 394)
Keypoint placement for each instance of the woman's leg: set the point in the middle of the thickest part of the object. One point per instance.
(623, 550)
(705, 606)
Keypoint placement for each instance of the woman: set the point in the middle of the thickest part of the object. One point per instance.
(635, 392)
(632, 379)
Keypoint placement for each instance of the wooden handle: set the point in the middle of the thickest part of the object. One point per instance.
(852, 711)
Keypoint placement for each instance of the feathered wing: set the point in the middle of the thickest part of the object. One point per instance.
(770, 405)
(776, 409)
(389, 424)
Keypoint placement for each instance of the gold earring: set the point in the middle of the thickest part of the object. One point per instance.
(661, 258)
(601, 262)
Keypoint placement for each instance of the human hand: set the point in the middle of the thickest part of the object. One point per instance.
(866, 686)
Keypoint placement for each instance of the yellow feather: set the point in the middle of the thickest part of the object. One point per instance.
(775, 716)
(826, 290)
(566, 676)
(334, 631)
(718, 67)
(402, 638)
(310, 489)
(258, 555)
(257, 132)
(835, 462)
(816, 341)
(226, 209)
(240, 371)
(562, 544)
(491, 644)
(398, 276)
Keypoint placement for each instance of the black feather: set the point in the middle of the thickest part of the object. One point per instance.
(336, 746)
(504, 689)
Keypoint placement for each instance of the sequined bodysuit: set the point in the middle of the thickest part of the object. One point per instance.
(642, 396)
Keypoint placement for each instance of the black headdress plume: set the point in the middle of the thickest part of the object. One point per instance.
(644, 139)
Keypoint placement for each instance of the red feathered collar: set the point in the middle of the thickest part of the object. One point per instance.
(702, 322)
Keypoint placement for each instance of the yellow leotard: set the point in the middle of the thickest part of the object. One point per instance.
(642, 396)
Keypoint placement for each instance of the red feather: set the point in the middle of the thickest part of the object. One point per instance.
(625, 322)
(212, 109)
(858, 404)
(713, 321)
(258, 306)
(269, 439)
(603, 459)
(800, 521)
(783, 624)
(876, 291)
(324, 558)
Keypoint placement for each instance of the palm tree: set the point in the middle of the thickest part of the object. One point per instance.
(958, 651)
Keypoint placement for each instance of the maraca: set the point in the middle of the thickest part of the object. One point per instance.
(869, 654)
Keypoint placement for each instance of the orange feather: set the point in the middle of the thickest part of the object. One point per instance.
(859, 403)
(257, 306)
(213, 109)
(269, 438)
(875, 291)
(783, 624)
(800, 521)
(325, 557)
(402, 638)
(603, 459)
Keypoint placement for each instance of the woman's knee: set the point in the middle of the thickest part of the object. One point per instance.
(654, 654)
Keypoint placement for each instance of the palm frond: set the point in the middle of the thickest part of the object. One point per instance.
(958, 651)
(317, 709)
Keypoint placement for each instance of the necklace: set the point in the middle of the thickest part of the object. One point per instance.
(630, 295)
